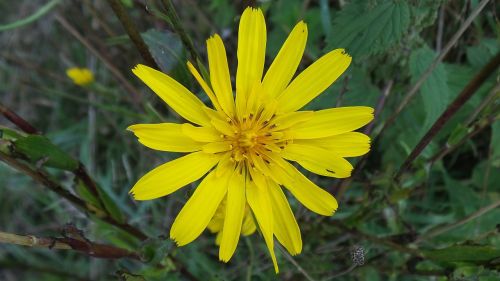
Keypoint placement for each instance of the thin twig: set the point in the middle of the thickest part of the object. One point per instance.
(179, 29)
(440, 28)
(476, 129)
(414, 89)
(459, 101)
(296, 264)
(66, 243)
(442, 229)
(16, 119)
(132, 32)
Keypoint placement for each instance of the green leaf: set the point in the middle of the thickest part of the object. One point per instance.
(86, 195)
(9, 134)
(457, 134)
(464, 253)
(363, 28)
(165, 47)
(480, 55)
(434, 92)
(39, 148)
(110, 205)
(126, 276)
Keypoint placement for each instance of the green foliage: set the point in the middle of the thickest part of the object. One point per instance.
(41, 151)
(434, 92)
(464, 254)
(165, 47)
(367, 27)
(392, 42)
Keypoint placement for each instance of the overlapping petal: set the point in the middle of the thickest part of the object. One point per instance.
(173, 93)
(285, 226)
(281, 71)
(349, 144)
(251, 51)
(235, 210)
(199, 209)
(165, 137)
(259, 200)
(309, 194)
(313, 80)
(333, 121)
(171, 176)
(219, 74)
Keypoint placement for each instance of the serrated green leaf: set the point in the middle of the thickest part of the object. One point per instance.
(365, 29)
(479, 55)
(434, 92)
(463, 253)
(38, 148)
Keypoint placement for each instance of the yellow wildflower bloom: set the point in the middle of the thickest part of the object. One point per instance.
(80, 76)
(243, 144)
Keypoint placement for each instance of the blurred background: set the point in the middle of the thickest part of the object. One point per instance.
(437, 220)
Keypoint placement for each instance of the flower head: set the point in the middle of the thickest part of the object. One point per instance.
(242, 145)
(80, 76)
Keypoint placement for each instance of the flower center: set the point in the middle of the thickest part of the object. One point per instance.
(250, 138)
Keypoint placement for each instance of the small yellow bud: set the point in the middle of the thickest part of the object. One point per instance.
(80, 76)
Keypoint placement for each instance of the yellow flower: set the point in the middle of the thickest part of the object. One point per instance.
(80, 76)
(241, 146)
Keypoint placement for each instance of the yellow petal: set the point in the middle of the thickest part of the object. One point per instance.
(318, 160)
(290, 119)
(251, 50)
(219, 74)
(235, 209)
(165, 137)
(201, 134)
(203, 85)
(349, 144)
(171, 176)
(217, 222)
(259, 201)
(226, 165)
(313, 80)
(309, 194)
(248, 226)
(216, 147)
(285, 227)
(199, 209)
(286, 62)
(333, 121)
(174, 94)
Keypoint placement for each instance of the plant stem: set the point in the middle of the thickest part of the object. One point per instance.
(132, 32)
(459, 101)
(16, 119)
(442, 229)
(66, 243)
(179, 29)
